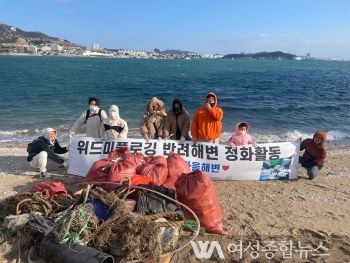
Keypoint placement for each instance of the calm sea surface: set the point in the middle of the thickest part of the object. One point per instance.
(282, 100)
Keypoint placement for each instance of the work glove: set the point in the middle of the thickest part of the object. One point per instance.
(65, 164)
(146, 137)
(162, 113)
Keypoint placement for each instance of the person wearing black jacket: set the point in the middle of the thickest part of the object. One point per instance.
(43, 148)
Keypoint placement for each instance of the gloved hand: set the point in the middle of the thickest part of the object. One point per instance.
(146, 137)
(182, 139)
(162, 113)
(65, 164)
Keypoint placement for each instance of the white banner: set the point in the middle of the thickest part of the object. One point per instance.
(267, 161)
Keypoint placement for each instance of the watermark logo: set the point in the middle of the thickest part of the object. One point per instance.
(206, 252)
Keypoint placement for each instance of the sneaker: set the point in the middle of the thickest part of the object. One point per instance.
(44, 175)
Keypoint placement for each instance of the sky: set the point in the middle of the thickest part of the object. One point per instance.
(318, 27)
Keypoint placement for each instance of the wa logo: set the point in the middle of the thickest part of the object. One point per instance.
(206, 252)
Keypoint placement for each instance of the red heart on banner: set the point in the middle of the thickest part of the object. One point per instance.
(225, 167)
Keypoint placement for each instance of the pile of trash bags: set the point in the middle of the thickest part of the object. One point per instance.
(132, 207)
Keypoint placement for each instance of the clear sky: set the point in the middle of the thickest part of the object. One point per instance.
(320, 27)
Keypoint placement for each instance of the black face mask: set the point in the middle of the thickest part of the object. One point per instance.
(177, 111)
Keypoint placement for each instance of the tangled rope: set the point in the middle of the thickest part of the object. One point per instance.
(167, 215)
(77, 225)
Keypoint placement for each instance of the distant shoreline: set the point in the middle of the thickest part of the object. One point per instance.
(161, 58)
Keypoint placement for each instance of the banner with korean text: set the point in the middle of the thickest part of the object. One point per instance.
(267, 161)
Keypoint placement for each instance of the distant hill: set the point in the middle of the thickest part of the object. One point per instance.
(262, 55)
(14, 35)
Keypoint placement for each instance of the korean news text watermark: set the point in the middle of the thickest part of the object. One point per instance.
(286, 249)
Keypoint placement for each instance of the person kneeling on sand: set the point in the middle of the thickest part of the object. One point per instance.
(315, 153)
(43, 148)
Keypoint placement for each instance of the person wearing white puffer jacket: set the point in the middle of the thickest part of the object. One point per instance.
(114, 126)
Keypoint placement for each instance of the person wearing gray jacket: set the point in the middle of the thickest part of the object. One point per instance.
(92, 118)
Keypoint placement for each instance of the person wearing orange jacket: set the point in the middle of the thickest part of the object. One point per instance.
(207, 121)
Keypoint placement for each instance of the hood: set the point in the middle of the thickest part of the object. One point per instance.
(154, 102)
(236, 128)
(177, 101)
(215, 98)
(47, 131)
(323, 135)
(114, 108)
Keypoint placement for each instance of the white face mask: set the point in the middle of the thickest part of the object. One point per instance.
(113, 114)
(242, 132)
(93, 108)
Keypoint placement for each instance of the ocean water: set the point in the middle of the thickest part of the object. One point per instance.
(282, 100)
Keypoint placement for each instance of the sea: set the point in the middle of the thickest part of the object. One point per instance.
(281, 100)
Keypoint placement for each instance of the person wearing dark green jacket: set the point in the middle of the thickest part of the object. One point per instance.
(43, 148)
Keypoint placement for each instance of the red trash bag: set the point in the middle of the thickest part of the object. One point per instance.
(139, 180)
(52, 189)
(197, 191)
(145, 160)
(124, 168)
(156, 169)
(99, 171)
(176, 166)
(118, 153)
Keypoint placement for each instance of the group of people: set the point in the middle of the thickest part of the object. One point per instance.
(98, 124)
(157, 123)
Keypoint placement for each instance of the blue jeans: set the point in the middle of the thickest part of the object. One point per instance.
(313, 171)
(311, 168)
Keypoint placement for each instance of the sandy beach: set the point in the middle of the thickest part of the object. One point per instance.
(311, 212)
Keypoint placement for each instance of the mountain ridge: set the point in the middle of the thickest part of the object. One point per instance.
(14, 35)
(16, 40)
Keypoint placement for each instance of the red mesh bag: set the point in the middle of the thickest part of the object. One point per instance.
(156, 169)
(176, 166)
(144, 161)
(118, 153)
(99, 171)
(124, 168)
(139, 180)
(197, 191)
(52, 189)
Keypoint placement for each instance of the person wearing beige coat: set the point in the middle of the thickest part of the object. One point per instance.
(151, 122)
